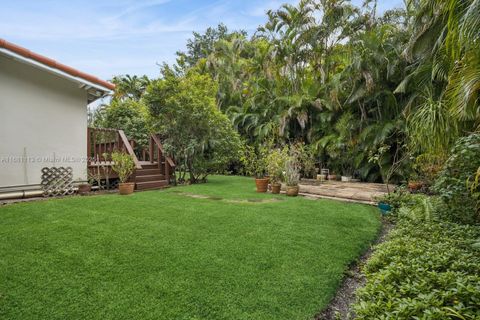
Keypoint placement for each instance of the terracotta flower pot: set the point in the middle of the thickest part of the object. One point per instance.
(415, 185)
(292, 191)
(126, 188)
(332, 177)
(262, 184)
(84, 189)
(276, 188)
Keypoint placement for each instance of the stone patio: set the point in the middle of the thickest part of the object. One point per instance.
(346, 191)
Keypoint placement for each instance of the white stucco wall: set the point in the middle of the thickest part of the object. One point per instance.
(42, 116)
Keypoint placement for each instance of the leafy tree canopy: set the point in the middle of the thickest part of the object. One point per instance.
(200, 137)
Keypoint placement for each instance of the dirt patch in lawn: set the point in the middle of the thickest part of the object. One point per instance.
(215, 198)
(341, 305)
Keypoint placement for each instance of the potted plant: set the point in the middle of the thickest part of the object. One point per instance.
(292, 176)
(414, 185)
(255, 164)
(275, 165)
(332, 176)
(425, 170)
(346, 163)
(124, 166)
(414, 182)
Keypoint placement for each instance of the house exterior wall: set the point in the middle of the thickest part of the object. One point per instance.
(43, 123)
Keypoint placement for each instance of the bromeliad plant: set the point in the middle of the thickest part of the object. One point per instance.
(292, 172)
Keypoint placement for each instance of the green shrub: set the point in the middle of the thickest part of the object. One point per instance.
(200, 137)
(123, 165)
(474, 187)
(276, 160)
(451, 183)
(425, 270)
(254, 160)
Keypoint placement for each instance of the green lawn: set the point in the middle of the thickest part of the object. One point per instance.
(168, 255)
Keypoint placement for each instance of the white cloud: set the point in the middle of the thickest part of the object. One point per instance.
(261, 9)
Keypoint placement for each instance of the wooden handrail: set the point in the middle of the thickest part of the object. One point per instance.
(160, 146)
(129, 148)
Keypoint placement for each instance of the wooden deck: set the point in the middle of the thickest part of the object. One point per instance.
(359, 192)
(153, 168)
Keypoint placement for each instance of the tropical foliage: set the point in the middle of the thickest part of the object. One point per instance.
(452, 183)
(366, 93)
(127, 114)
(427, 269)
(350, 83)
(201, 138)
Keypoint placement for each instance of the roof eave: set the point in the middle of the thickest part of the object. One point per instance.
(95, 90)
(53, 64)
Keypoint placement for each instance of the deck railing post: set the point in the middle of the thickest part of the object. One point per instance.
(167, 171)
(150, 148)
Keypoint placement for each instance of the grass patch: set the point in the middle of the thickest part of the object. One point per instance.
(162, 255)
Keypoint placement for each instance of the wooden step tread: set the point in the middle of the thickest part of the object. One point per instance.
(152, 177)
(147, 172)
(149, 185)
(150, 166)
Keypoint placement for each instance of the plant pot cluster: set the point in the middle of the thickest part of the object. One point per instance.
(262, 187)
(333, 177)
(281, 165)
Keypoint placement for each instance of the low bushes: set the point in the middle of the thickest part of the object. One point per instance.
(427, 269)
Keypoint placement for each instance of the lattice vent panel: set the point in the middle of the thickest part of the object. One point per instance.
(57, 181)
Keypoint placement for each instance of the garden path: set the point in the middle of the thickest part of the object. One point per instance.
(360, 192)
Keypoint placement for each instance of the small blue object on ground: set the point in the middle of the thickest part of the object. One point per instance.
(385, 208)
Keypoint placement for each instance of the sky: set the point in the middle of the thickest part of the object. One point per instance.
(113, 37)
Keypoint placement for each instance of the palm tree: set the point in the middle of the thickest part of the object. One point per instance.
(130, 87)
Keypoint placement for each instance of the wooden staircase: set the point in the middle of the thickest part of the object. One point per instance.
(154, 170)
(150, 177)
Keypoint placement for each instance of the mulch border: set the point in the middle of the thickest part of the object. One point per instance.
(340, 307)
